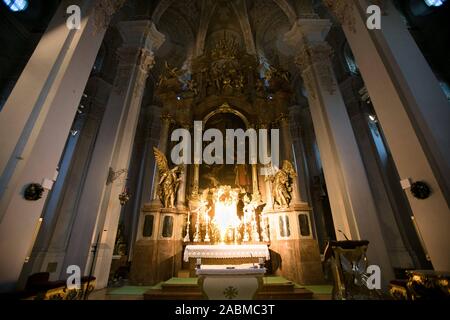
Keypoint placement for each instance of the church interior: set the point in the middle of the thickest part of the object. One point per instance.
(327, 123)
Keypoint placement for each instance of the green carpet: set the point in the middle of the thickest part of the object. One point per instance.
(131, 290)
(276, 280)
(181, 281)
(140, 290)
(322, 289)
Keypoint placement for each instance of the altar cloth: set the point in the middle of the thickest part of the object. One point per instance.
(227, 251)
(237, 270)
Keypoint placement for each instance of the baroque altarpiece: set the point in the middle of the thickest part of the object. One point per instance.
(225, 204)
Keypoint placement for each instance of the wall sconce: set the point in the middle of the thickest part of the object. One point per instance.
(420, 190)
(33, 192)
(124, 197)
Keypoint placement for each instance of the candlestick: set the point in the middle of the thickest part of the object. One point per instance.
(187, 238)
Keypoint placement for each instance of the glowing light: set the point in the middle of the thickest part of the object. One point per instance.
(16, 5)
(225, 217)
(434, 3)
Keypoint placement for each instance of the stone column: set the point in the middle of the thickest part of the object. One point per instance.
(413, 112)
(162, 146)
(299, 155)
(99, 209)
(35, 123)
(288, 153)
(147, 167)
(353, 206)
(181, 194)
(196, 182)
(286, 137)
(53, 242)
(267, 184)
(152, 140)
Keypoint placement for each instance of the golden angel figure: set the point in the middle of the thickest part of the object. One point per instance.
(169, 180)
(282, 185)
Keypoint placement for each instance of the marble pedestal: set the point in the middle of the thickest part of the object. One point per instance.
(158, 249)
(295, 254)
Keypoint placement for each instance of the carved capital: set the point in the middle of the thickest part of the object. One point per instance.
(284, 119)
(114, 175)
(344, 11)
(140, 57)
(141, 34)
(307, 31)
(146, 60)
(167, 119)
(311, 54)
(129, 58)
(263, 125)
(103, 12)
(315, 61)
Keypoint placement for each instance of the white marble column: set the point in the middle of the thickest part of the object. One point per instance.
(55, 238)
(413, 112)
(351, 199)
(35, 123)
(99, 208)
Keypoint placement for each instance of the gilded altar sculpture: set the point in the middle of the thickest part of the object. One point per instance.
(169, 180)
(202, 217)
(282, 185)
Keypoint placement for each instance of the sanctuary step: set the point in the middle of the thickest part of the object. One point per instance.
(274, 288)
(183, 274)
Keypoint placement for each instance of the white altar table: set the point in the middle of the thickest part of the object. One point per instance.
(226, 251)
(239, 282)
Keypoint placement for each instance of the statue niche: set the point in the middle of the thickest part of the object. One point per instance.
(169, 180)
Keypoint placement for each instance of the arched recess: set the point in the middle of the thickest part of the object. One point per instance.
(226, 108)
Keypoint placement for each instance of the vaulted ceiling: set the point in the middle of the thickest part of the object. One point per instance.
(191, 26)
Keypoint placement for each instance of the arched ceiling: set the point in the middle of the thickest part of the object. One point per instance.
(258, 24)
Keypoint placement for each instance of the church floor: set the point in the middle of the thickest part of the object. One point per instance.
(128, 292)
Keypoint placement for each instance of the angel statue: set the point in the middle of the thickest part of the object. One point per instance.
(282, 182)
(169, 179)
